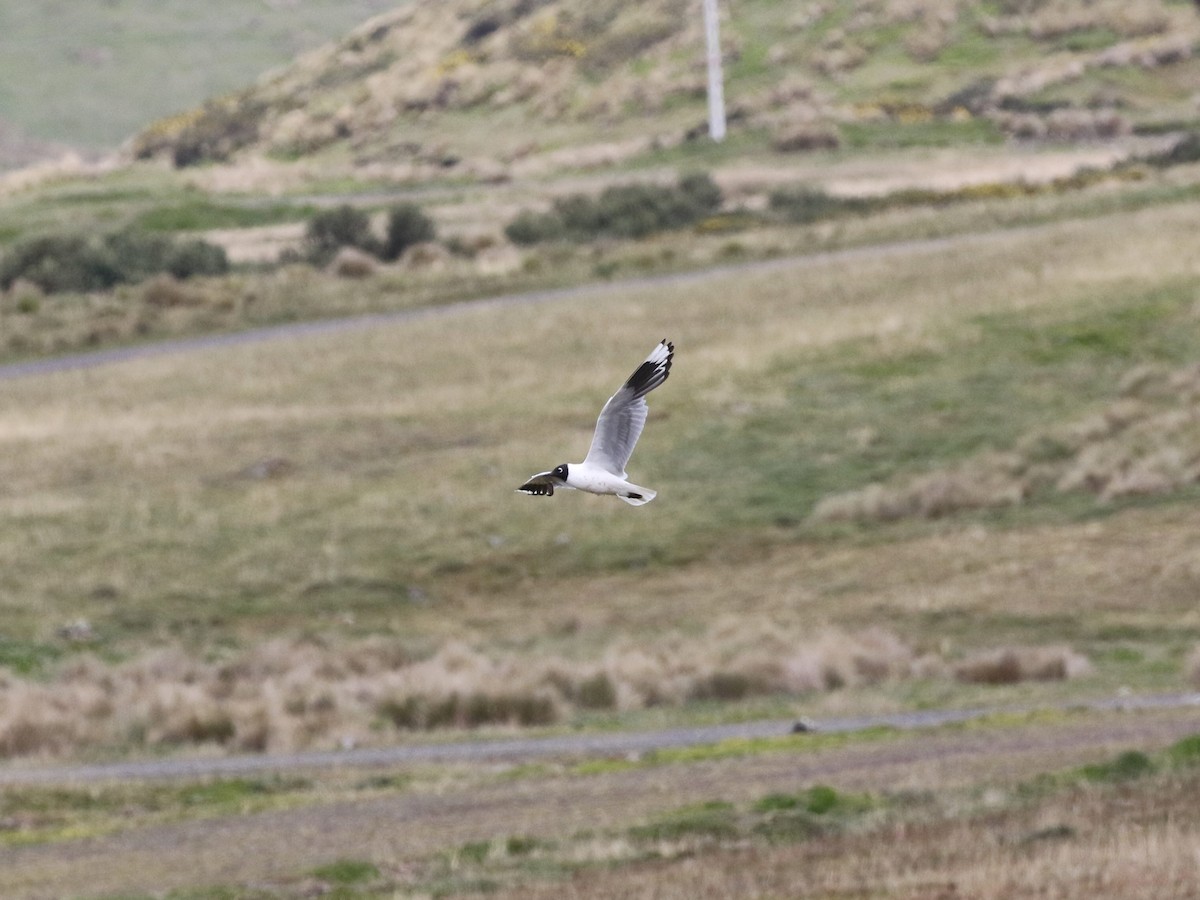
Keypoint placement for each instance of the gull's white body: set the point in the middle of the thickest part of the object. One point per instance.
(617, 431)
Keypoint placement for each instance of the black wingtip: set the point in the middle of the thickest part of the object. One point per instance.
(650, 375)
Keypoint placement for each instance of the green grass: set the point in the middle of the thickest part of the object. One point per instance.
(714, 819)
(347, 871)
(932, 133)
(57, 814)
(930, 409)
(203, 214)
(26, 657)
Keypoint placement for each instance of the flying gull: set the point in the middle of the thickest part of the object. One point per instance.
(617, 430)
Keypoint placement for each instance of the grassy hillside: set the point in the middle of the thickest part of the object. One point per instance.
(90, 75)
(484, 89)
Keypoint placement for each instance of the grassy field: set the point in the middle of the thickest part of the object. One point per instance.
(298, 542)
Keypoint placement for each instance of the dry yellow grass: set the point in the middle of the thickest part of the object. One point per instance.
(283, 696)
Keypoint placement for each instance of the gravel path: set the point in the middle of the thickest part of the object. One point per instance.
(621, 743)
(406, 826)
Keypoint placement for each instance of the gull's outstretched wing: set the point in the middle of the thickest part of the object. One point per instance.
(624, 415)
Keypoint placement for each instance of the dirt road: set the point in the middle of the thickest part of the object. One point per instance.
(405, 826)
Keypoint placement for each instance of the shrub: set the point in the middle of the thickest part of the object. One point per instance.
(78, 263)
(597, 692)
(621, 211)
(1185, 150)
(804, 205)
(702, 191)
(196, 257)
(635, 211)
(216, 131)
(407, 225)
(60, 263)
(136, 255)
(1129, 765)
(330, 230)
(533, 228)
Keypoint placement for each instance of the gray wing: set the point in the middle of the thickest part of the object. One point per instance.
(624, 415)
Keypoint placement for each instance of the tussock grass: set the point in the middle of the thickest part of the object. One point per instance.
(289, 695)
(1012, 665)
(1142, 444)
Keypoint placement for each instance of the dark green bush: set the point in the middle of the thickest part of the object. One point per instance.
(801, 206)
(597, 692)
(79, 263)
(331, 229)
(196, 257)
(533, 228)
(1185, 150)
(136, 255)
(1127, 766)
(702, 191)
(620, 211)
(407, 225)
(60, 263)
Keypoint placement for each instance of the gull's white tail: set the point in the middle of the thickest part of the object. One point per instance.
(637, 496)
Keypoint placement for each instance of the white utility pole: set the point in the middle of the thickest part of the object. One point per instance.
(716, 82)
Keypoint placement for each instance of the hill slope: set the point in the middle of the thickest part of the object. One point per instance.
(454, 83)
(89, 74)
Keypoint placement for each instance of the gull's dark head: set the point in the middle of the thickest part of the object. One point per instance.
(542, 484)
